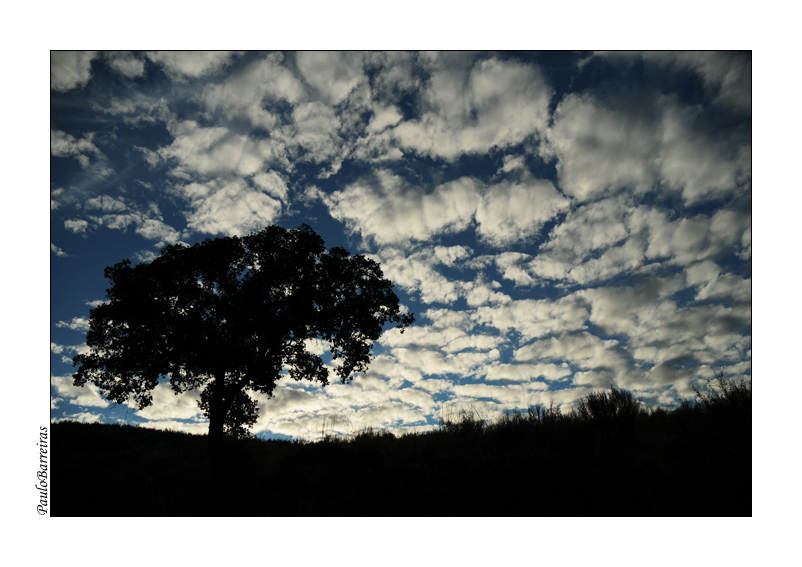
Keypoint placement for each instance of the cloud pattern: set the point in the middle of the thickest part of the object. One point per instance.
(551, 239)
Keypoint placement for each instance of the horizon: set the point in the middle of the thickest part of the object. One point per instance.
(558, 222)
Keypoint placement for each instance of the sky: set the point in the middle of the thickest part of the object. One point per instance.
(559, 222)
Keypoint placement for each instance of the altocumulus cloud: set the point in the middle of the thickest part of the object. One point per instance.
(558, 222)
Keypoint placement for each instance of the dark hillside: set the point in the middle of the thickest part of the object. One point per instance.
(608, 461)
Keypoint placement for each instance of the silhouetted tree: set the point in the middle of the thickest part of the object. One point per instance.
(226, 315)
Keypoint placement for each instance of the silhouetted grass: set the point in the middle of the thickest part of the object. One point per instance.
(610, 457)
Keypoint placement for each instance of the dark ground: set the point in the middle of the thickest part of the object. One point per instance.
(664, 467)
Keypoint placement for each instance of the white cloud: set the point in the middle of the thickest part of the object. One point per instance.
(332, 73)
(384, 117)
(702, 273)
(598, 149)
(450, 339)
(510, 396)
(106, 203)
(436, 385)
(692, 337)
(116, 221)
(451, 255)
(77, 349)
(58, 251)
(289, 398)
(582, 350)
(229, 207)
(637, 141)
(77, 324)
(415, 398)
(658, 331)
(154, 229)
(137, 110)
(315, 129)
(695, 164)
(145, 256)
(243, 95)
(122, 213)
(509, 266)
(430, 362)
(184, 64)
(273, 184)
(528, 372)
(53, 194)
(746, 244)
(727, 287)
(481, 292)
(388, 210)
(83, 417)
(86, 396)
(442, 318)
(151, 157)
(214, 151)
(512, 163)
(535, 317)
(126, 64)
(376, 148)
(315, 346)
(473, 108)
(593, 227)
(169, 406)
(386, 366)
(518, 275)
(63, 144)
(70, 69)
(76, 225)
(620, 309)
(511, 211)
(417, 274)
(727, 75)
(601, 240)
(614, 261)
(394, 73)
(702, 237)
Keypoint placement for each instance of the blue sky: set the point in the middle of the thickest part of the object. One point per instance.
(558, 222)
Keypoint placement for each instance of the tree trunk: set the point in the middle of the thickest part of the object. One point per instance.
(216, 425)
(215, 439)
(217, 416)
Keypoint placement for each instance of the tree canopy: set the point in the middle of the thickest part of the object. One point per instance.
(227, 315)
